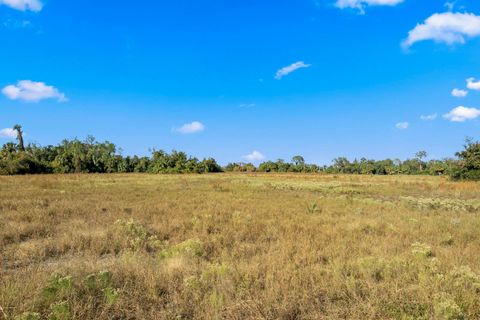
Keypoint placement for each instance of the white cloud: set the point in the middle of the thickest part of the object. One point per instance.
(291, 68)
(461, 114)
(402, 125)
(8, 133)
(447, 27)
(23, 5)
(429, 117)
(190, 128)
(459, 93)
(32, 91)
(472, 84)
(255, 156)
(361, 4)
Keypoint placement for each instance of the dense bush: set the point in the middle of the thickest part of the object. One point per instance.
(469, 164)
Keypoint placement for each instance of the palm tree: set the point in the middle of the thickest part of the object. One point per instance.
(18, 128)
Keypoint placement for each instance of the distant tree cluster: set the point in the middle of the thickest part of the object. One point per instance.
(416, 165)
(91, 156)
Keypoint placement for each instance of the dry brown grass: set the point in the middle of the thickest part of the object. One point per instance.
(240, 247)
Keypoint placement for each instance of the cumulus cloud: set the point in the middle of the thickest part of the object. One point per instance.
(32, 91)
(447, 27)
(461, 114)
(472, 84)
(23, 5)
(429, 117)
(361, 4)
(8, 133)
(254, 156)
(402, 125)
(190, 128)
(291, 68)
(459, 93)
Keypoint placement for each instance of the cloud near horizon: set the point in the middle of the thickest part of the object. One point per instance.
(291, 68)
(23, 5)
(191, 128)
(255, 156)
(448, 27)
(462, 114)
(31, 91)
(8, 133)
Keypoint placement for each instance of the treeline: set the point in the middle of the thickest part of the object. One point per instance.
(91, 156)
(363, 166)
(465, 167)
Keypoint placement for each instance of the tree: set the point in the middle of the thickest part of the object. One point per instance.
(299, 163)
(21, 145)
(420, 155)
(469, 166)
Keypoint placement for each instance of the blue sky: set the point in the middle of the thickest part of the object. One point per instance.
(321, 78)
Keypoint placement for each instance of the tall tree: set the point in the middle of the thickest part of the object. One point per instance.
(21, 145)
(420, 155)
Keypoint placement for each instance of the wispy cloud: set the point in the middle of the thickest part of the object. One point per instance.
(429, 117)
(31, 91)
(255, 156)
(362, 4)
(472, 84)
(8, 133)
(291, 68)
(459, 93)
(449, 5)
(447, 27)
(23, 5)
(462, 114)
(402, 125)
(190, 128)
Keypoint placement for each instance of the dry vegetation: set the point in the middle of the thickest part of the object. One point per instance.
(238, 247)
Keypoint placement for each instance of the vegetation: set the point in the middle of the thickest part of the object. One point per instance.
(90, 156)
(238, 246)
(469, 166)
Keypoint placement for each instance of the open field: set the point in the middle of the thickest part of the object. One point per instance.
(238, 246)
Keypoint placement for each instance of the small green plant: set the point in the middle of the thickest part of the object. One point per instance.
(191, 247)
(60, 289)
(91, 282)
(57, 285)
(447, 309)
(216, 300)
(464, 277)
(105, 278)
(28, 316)
(312, 208)
(60, 311)
(422, 250)
(139, 237)
(111, 295)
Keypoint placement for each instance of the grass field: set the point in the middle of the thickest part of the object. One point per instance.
(239, 247)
